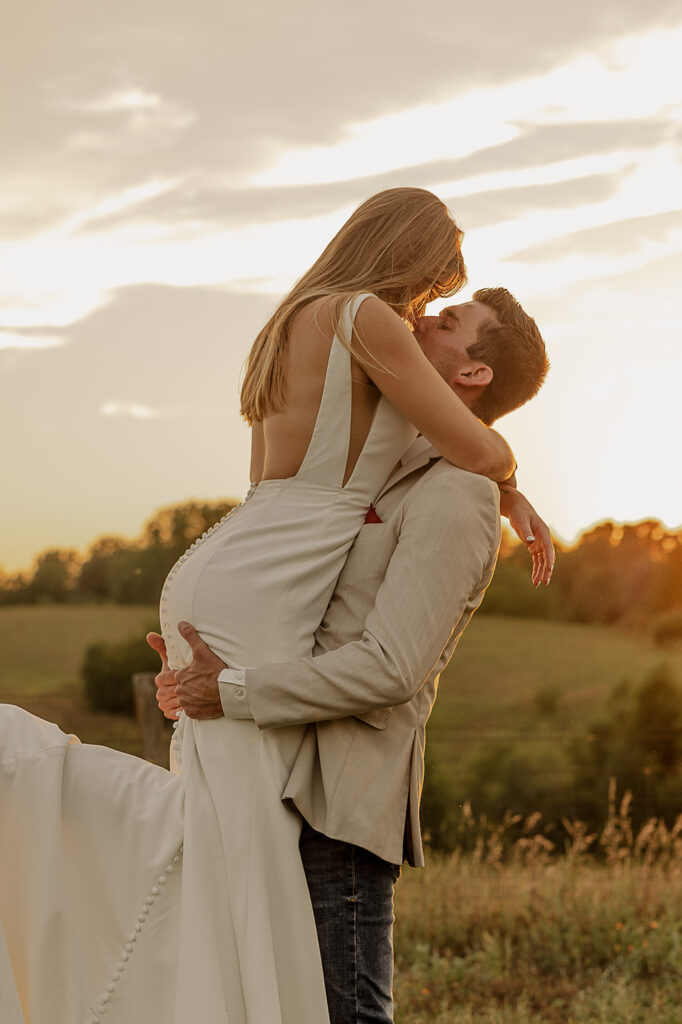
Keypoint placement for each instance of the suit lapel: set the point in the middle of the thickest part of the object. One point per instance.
(417, 455)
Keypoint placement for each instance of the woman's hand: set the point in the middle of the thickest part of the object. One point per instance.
(531, 530)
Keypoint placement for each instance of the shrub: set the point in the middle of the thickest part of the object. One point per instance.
(546, 701)
(667, 628)
(520, 778)
(107, 671)
(512, 778)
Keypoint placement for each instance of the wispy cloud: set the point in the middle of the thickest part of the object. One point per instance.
(175, 229)
(133, 410)
(630, 78)
(543, 174)
(60, 275)
(29, 341)
(124, 99)
(143, 109)
(117, 203)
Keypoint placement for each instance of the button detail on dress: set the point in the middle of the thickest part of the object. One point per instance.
(142, 918)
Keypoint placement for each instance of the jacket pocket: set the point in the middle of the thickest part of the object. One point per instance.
(378, 718)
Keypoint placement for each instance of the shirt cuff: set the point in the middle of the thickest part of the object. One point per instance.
(232, 675)
(233, 695)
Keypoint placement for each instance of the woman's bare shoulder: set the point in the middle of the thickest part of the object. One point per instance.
(376, 325)
(323, 310)
(380, 326)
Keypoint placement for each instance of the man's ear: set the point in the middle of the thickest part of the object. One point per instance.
(474, 375)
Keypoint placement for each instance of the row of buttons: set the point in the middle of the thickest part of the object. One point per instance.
(102, 1006)
(169, 633)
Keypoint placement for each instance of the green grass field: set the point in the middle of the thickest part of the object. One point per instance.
(42, 651)
(487, 692)
(43, 646)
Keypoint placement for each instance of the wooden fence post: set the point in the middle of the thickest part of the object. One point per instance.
(154, 738)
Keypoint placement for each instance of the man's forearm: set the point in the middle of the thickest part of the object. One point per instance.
(434, 580)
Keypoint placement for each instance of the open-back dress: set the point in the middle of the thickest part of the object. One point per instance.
(134, 895)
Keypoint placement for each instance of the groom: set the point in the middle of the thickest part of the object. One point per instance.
(415, 574)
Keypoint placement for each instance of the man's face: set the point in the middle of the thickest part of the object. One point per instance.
(445, 338)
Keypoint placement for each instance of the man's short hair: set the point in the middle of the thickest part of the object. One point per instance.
(514, 351)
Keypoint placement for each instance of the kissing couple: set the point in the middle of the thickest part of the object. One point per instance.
(301, 641)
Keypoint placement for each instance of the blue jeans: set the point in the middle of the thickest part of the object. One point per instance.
(352, 896)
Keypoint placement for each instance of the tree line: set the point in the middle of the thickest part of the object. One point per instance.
(629, 574)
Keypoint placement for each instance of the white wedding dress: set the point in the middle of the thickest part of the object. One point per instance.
(134, 895)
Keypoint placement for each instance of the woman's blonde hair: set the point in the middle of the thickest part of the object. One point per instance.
(401, 244)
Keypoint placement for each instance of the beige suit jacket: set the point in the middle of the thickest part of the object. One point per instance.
(408, 589)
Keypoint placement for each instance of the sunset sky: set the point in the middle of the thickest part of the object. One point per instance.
(168, 170)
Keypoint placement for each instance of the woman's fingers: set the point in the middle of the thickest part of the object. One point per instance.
(524, 530)
(542, 566)
(542, 533)
(538, 540)
(538, 564)
(531, 531)
(544, 572)
(547, 554)
(537, 568)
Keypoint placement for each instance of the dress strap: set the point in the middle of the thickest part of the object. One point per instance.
(327, 455)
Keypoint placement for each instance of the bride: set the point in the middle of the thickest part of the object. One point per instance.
(132, 894)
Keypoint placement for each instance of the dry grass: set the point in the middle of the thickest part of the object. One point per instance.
(512, 932)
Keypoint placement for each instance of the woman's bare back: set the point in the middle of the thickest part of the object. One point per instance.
(280, 441)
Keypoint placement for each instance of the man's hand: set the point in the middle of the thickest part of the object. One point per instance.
(530, 529)
(197, 684)
(165, 681)
(193, 689)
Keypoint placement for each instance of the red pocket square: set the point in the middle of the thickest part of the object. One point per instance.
(372, 516)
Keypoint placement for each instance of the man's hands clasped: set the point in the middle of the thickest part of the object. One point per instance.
(193, 689)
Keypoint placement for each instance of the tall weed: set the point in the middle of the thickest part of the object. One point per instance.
(521, 931)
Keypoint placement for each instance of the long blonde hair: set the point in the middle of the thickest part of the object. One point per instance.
(401, 244)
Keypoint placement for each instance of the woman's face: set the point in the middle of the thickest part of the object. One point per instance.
(424, 293)
(410, 302)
